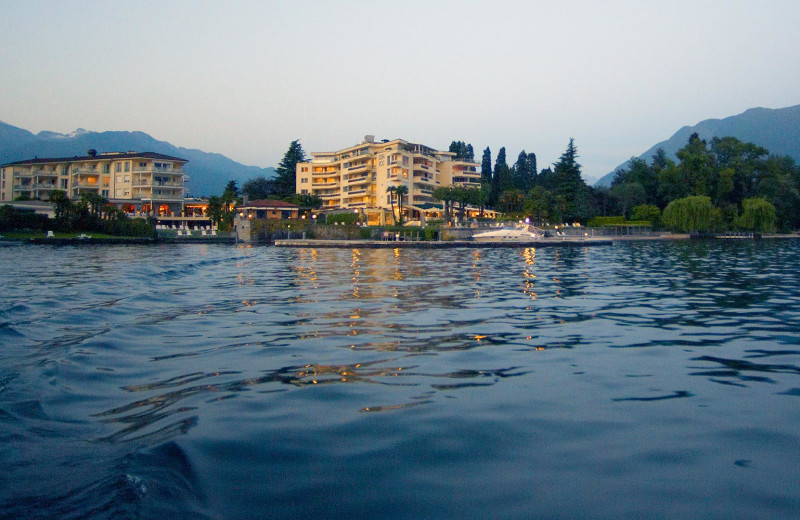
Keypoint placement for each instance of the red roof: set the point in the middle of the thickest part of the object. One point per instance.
(270, 204)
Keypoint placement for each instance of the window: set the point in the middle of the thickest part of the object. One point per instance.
(304, 180)
(142, 165)
(127, 178)
(127, 166)
(304, 192)
(119, 167)
(105, 193)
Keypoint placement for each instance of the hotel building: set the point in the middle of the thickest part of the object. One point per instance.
(357, 178)
(138, 183)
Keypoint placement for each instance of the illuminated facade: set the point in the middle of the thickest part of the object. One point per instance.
(143, 183)
(357, 178)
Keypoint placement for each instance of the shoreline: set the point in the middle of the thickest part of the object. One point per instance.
(380, 244)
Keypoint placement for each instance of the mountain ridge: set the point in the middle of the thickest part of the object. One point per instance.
(776, 129)
(208, 172)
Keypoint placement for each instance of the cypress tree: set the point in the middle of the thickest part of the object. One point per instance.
(486, 166)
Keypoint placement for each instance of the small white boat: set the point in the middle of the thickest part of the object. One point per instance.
(506, 235)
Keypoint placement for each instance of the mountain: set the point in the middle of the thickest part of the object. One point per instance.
(208, 172)
(777, 130)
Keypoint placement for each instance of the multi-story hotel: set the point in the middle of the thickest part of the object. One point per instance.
(357, 178)
(142, 183)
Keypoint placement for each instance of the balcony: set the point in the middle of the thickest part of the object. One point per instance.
(86, 184)
(148, 183)
(45, 173)
(324, 184)
(158, 171)
(332, 173)
(358, 180)
(358, 167)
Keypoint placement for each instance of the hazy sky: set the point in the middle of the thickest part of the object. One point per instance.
(244, 78)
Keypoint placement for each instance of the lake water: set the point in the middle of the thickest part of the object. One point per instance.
(640, 380)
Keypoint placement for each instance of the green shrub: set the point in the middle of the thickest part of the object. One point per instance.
(606, 221)
(342, 218)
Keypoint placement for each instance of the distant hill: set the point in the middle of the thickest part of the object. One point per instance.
(777, 130)
(208, 172)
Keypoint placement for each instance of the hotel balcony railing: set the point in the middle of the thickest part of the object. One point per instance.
(355, 192)
(85, 184)
(357, 180)
(168, 171)
(323, 184)
(328, 173)
(45, 173)
(146, 183)
(328, 195)
(45, 186)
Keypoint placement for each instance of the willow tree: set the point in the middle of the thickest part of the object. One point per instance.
(758, 215)
(689, 215)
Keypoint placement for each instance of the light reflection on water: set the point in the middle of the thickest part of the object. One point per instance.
(210, 381)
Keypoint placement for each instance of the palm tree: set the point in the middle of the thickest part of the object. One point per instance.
(400, 191)
(391, 190)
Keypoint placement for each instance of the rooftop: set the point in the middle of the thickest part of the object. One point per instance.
(99, 157)
(269, 204)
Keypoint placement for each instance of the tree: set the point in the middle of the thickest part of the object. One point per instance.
(696, 165)
(61, 205)
(690, 214)
(391, 190)
(215, 209)
(486, 166)
(401, 191)
(647, 212)
(287, 169)
(758, 215)
(229, 195)
(628, 195)
(463, 151)
(305, 200)
(259, 188)
(500, 176)
(446, 195)
(570, 185)
(231, 187)
(525, 171)
(538, 204)
(510, 201)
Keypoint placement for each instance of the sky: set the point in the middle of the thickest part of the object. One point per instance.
(245, 78)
